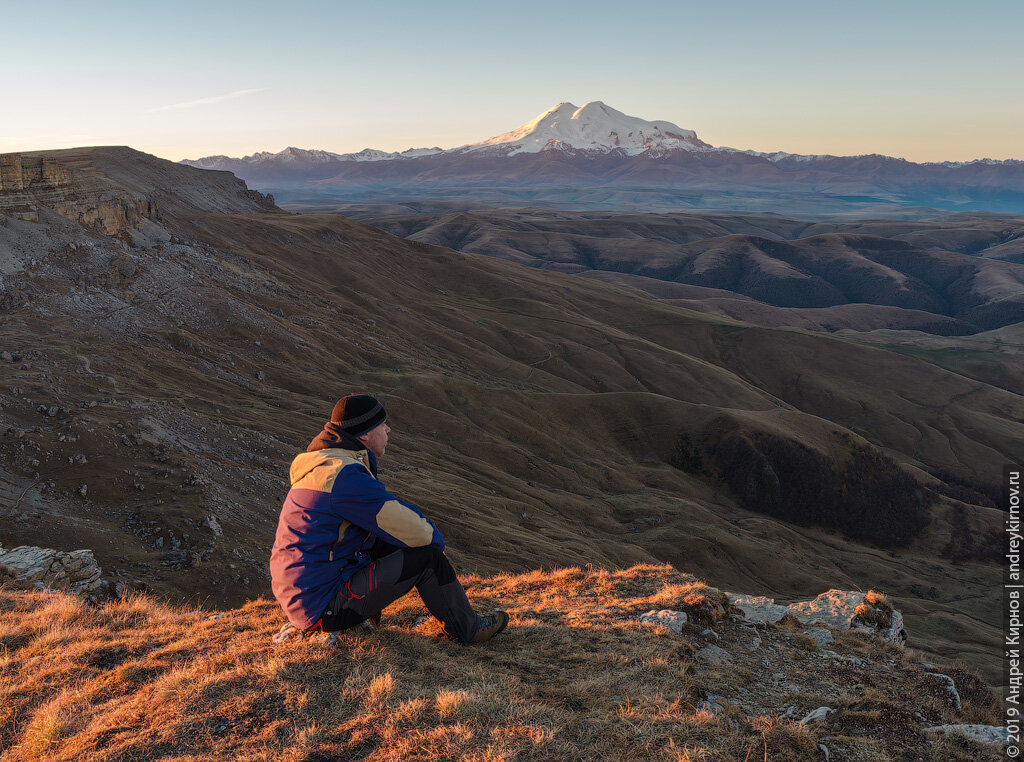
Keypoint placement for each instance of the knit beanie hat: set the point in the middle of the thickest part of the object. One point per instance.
(358, 414)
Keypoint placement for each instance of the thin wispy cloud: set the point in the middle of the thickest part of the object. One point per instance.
(205, 101)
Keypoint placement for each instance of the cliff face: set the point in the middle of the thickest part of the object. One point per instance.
(29, 182)
(112, 189)
(23, 174)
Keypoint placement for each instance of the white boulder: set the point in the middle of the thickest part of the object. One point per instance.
(42, 568)
(674, 620)
(988, 734)
(817, 715)
(758, 608)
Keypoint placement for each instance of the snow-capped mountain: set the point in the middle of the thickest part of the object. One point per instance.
(978, 162)
(373, 154)
(596, 127)
(292, 155)
(589, 155)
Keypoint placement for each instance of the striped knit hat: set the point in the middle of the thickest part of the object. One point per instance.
(358, 414)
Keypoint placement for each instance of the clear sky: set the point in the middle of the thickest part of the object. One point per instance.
(923, 79)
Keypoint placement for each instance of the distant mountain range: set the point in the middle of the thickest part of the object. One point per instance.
(588, 157)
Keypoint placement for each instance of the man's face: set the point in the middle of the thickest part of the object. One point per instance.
(376, 439)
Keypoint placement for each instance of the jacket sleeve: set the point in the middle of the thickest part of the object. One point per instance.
(366, 503)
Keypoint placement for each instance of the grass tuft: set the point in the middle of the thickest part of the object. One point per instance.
(875, 610)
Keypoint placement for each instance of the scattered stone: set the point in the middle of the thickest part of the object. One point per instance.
(712, 654)
(848, 658)
(818, 715)
(673, 620)
(821, 636)
(950, 685)
(987, 734)
(710, 634)
(758, 608)
(83, 490)
(214, 525)
(710, 705)
(824, 750)
(259, 375)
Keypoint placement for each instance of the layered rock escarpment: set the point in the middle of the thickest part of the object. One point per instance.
(30, 182)
(23, 174)
(113, 189)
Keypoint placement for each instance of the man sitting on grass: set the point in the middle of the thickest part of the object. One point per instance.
(346, 547)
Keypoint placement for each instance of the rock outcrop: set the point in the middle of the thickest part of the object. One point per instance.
(29, 182)
(21, 174)
(45, 568)
(114, 189)
(840, 609)
(986, 734)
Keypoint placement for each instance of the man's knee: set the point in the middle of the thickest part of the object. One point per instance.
(416, 560)
(340, 619)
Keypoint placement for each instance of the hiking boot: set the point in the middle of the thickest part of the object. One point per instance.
(286, 633)
(490, 626)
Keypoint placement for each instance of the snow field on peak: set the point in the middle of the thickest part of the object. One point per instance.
(594, 127)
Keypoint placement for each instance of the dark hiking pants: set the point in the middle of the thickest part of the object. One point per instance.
(389, 578)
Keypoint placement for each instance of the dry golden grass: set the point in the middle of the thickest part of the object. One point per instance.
(876, 610)
(575, 677)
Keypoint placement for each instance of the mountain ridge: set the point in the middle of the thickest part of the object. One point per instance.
(593, 128)
(596, 156)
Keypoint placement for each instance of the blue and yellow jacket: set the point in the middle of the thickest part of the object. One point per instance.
(336, 519)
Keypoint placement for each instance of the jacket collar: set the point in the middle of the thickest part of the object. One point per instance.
(307, 461)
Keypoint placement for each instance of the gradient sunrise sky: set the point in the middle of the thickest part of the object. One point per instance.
(925, 80)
